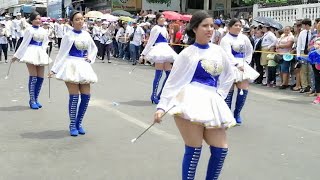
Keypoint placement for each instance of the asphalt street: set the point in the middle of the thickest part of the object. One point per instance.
(279, 139)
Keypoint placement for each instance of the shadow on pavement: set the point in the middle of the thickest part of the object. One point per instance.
(137, 103)
(46, 134)
(15, 108)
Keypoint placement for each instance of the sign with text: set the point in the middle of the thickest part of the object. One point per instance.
(124, 5)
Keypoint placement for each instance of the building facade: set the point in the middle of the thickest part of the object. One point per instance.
(12, 7)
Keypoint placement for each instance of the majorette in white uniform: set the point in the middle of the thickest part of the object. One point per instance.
(239, 50)
(157, 49)
(33, 47)
(76, 54)
(200, 80)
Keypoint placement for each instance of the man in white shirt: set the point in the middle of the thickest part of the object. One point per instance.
(17, 29)
(136, 37)
(8, 24)
(96, 34)
(128, 31)
(3, 42)
(303, 48)
(218, 32)
(269, 41)
(58, 30)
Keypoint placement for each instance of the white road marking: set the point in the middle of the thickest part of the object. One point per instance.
(106, 105)
(304, 129)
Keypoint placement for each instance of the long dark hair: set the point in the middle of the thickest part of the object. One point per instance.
(196, 19)
(233, 22)
(33, 16)
(158, 15)
(73, 13)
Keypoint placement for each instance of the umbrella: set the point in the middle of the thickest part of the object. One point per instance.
(93, 14)
(266, 20)
(110, 17)
(186, 17)
(121, 13)
(171, 15)
(125, 18)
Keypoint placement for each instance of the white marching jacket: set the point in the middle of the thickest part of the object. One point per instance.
(66, 44)
(28, 35)
(155, 31)
(184, 68)
(241, 41)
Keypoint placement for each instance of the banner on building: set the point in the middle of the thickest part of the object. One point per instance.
(55, 9)
(129, 5)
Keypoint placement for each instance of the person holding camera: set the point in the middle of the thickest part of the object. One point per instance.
(136, 38)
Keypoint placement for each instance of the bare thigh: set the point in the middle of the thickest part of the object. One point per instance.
(159, 66)
(192, 134)
(73, 88)
(40, 71)
(84, 88)
(216, 137)
(32, 69)
(243, 85)
(167, 66)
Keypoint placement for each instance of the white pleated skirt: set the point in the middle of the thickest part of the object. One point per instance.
(248, 74)
(77, 70)
(160, 53)
(36, 55)
(201, 104)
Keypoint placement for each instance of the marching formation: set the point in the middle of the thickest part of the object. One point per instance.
(199, 82)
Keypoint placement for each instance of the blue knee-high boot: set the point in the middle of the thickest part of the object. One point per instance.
(73, 107)
(241, 99)
(216, 162)
(85, 98)
(156, 80)
(164, 82)
(190, 161)
(37, 90)
(32, 93)
(228, 99)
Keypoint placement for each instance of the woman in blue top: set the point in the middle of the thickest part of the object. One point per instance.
(73, 66)
(32, 51)
(199, 81)
(157, 50)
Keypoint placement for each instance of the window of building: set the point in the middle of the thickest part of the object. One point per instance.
(195, 4)
(198, 4)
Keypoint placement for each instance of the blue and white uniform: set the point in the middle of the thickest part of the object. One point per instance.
(239, 50)
(33, 47)
(198, 84)
(73, 62)
(157, 49)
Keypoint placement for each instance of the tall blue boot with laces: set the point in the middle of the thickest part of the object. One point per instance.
(228, 99)
(85, 98)
(157, 78)
(164, 82)
(73, 107)
(32, 86)
(216, 161)
(241, 99)
(37, 90)
(190, 161)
